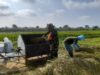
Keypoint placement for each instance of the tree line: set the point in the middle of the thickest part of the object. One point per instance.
(15, 28)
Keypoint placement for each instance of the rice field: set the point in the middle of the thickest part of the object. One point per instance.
(62, 34)
(86, 62)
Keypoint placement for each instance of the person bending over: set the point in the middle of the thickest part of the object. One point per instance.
(72, 43)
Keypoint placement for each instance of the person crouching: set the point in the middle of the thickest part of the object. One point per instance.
(8, 46)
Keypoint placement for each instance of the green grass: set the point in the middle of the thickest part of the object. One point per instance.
(95, 42)
(86, 62)
(63, 34)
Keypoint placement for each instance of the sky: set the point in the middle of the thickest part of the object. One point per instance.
(32, 13)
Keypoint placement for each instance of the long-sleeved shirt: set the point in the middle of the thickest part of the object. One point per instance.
(70, 40)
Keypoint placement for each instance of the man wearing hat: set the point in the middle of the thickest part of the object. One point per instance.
(72, 42)
(52, 38)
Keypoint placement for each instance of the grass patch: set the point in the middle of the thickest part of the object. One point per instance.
(86, 62)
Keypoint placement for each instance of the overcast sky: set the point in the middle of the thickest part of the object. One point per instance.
(40, 12)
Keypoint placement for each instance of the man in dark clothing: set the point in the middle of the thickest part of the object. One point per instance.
(68, 42)
(52, 37)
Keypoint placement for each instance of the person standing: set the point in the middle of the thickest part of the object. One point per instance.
(52, 38)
